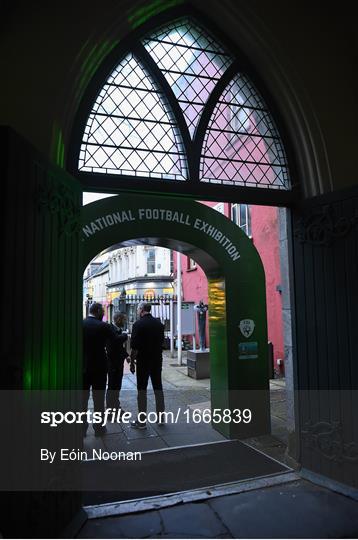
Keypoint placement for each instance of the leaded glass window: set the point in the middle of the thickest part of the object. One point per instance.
(131, 130)
(241, 144)
(192, 63)
(156, 116)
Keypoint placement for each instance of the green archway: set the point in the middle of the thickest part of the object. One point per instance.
(238, 359)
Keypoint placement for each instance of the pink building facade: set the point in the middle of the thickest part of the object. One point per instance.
(261, 224)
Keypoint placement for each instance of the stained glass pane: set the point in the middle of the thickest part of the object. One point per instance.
(242, 145)
(130, 130)
(192, 63)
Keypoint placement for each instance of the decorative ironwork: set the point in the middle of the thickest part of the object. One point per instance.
(131, 130)
(327, 439)
(57, 198)
(242, 145)
(152, 117)
(192, 63)
(153, 299)
(322, 227)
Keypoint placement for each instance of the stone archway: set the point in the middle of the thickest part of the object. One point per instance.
(239, 364)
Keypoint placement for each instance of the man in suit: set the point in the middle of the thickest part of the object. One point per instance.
(96, 334)
(147, 346)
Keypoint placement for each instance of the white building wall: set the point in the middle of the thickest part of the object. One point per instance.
(99, 285)
(131, 263)
(124, 264)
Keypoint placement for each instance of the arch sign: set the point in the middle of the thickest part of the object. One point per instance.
(237, 305)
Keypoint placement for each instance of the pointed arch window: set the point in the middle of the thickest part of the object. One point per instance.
(242, 144)
(179, 107)
(130, 129)
(192, 63)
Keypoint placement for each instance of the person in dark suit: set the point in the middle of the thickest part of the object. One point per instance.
(117, 354)
(96, 334)
(147, 346)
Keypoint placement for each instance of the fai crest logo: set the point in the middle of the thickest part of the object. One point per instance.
(247, 326)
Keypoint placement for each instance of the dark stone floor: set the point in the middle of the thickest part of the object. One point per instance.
(297, 509)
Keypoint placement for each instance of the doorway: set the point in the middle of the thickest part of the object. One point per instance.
(237, 307)
(238, 329)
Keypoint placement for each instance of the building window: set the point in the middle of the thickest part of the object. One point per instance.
(240, 214)
(190, 264)
(220, 207)
(171, 261)
(239, 122)
(151, 261)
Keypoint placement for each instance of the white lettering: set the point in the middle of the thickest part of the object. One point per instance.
(117, 218)
(160, 214)
(45, 417)
(87, 231)
(227, 241)
(46, 455)
(73, 455)
(103, 455)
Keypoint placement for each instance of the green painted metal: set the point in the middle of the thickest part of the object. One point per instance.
(236, 289)
(52, 337)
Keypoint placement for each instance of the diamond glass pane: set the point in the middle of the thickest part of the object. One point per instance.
(131, 130)
(192, 63)
(242, 145)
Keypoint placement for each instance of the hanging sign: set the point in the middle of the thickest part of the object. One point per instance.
(164, 215)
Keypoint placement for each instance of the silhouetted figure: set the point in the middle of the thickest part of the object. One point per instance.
(147, 344)
(96, 334)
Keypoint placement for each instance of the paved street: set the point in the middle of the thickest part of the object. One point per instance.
(185, 393)
(285, 506)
